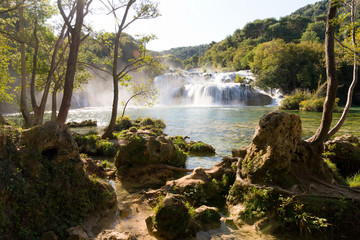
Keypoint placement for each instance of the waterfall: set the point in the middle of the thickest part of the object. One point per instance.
(195, 88)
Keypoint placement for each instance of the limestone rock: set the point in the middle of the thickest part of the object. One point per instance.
(344, 151)
(273, 146)
(114, 235)
(77, 233)
(171, 219)
(144, 159)
(207, 217)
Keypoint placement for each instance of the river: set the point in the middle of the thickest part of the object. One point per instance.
(224, 127)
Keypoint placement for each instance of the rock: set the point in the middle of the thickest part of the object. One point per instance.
(42, 172)
(77, 233)
(200, 148)
(144, 158)
(139, 151)
(171, 219)
(267, 225)
(273, 146)
(344, 151)
(114, 235)
(207, 217)
(205, 186)
(196, 148)
(241, 153)
(50, 140)
(86, 123)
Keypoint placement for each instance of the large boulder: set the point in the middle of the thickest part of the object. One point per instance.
(344, 151)
(273, 146)
(144, 158)
(43, 184)
(171, 219)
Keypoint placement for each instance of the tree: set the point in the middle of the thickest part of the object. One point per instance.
(316, 142)
(5, 78)
(288, 66)
(144, 10)
(353, 47)
(144, 93)
(82, 9)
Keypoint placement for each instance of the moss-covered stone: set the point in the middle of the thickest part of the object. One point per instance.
(171, 219)
(43, 183)
(86, 123)
(195, 148)
(344, 152)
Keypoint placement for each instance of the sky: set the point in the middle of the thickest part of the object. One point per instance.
(193, 22)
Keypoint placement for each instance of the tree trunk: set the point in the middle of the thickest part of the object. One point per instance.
(2, 120)
(39, 114)
(75, 41)
(341, 121)
(53, 106)
(23, 105)
(317, 141)
(33, 78)
(110, 128)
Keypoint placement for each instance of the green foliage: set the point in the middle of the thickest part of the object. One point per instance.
(292, 102)
(288, 65)
(354, 181)
(294, 213)
(239, 79)
(312, 105)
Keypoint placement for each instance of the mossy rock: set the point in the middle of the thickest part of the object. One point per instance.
(171, 219)
(195, 148)
(122, 123)
(200, 148)
(141, 150)
(344, 151)
(207, 217)
(44, 185)
(86, 123)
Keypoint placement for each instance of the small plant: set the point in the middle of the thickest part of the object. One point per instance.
(354, 181)
(239, 79)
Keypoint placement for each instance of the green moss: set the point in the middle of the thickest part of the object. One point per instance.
(122, 123)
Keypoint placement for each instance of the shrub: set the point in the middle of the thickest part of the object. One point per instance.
(239, 79)
(314, 104)
(292, 102)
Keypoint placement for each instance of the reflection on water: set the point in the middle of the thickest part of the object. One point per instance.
(223, 127)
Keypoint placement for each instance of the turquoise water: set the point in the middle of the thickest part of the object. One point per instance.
(224, 128)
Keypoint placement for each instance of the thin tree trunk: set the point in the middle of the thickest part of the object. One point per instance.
(23, 105)
(110, 128)
(33, 77)
(317, 141)
(71, 63)
(53, 106)
(39, 115)
(2, 120)
(341, 121)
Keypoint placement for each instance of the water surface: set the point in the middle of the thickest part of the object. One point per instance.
(223, 127)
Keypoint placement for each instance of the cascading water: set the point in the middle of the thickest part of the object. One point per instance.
(195, 88)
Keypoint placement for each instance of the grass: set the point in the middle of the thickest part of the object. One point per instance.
(354, 181)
